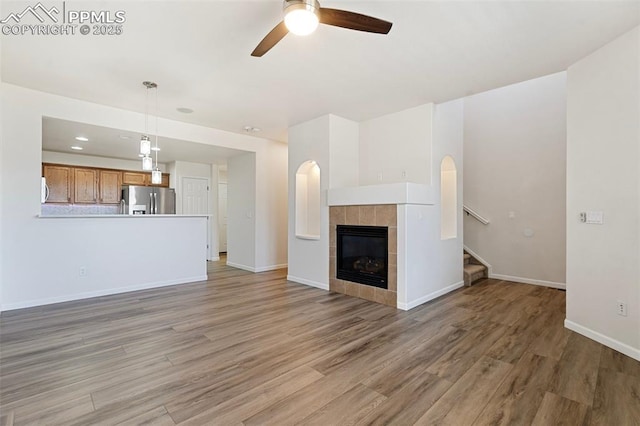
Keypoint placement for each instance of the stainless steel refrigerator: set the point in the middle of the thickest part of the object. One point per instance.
(148, 200)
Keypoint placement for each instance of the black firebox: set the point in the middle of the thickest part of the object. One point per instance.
(362, 254)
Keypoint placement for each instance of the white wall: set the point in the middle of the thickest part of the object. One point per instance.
(397, 147)
(332, 142)
(93, 161)
(22, 243)
(344, 152)
(603, 174)
(429, 266)
(309, 259)
(515, 161)
(241, 205)
(448, 140)
(271, 206)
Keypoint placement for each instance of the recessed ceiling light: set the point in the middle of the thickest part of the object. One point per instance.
(184, 110)
(124, 137)
(77, 148)
(82, 139)
(251, 129)
(155, 148)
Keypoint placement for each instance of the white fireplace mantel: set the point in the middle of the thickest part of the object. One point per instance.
(389, 193)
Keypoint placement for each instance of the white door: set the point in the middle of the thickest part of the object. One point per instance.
(222, 217)
(195, 200)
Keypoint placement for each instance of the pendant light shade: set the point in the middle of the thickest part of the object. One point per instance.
(147, 163)
(145, 145)
(156, 176)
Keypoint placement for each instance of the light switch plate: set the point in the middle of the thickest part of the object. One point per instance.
(595, 217)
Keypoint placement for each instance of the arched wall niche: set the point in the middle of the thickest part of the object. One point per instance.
(308, 201)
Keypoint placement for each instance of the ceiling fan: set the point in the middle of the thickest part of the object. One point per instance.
(301, 17)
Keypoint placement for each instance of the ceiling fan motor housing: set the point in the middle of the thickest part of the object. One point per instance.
(310, 5)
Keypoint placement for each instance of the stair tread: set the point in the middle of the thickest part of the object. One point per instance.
(467, 256)
(472, 269)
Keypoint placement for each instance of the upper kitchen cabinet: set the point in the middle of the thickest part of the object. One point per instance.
(85, 186)
(60, 183)
(135, 178)
(110, 183)
(92, 185)
(143, 179)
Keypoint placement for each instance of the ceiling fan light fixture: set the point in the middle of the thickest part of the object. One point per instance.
(301, 16)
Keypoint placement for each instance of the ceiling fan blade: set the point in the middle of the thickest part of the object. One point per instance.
(354, 21)
(270, 40)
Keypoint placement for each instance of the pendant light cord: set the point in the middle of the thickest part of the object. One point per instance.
(156, 127)
(146, 112)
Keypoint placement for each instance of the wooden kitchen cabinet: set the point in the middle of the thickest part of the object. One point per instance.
(143, 179)
(92, 185)
(85, 186)
(110, 185)
(135, 178)
(60, 183)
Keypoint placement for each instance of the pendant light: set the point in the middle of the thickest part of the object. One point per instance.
(145, 141)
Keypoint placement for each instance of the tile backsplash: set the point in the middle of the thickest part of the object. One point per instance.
(78, 209)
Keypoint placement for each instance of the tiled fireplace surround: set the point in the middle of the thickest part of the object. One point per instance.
(370, 215)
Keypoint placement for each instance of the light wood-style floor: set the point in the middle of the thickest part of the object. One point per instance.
(255, 349)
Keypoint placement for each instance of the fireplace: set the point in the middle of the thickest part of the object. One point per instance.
(362, 254)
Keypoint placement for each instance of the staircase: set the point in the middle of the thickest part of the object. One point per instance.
(473, 270)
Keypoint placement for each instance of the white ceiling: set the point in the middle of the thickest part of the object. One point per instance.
(59, 135)
(199, 54)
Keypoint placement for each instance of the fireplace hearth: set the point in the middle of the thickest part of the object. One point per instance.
(362, 254)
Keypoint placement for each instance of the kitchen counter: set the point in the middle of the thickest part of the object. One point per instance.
(111, 216)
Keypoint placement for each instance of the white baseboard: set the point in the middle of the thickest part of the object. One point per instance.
(605, 340)
(91, 294)
(271, 267)
(254, 269)
(479, 259)
(430, 296)
(241, 266)
(214, 259)
(551, 284)
(305, 281)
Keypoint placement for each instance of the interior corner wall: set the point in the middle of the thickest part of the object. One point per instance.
(514, 175)
(308, 260)
(397, 147)
(332, 142)
(271, 206)
(448, 140)
(432, 266)
(603, 174)
(241, 205)
(343, 152)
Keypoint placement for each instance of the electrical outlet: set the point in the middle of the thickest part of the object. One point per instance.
(380, 176)
(82, 271)
(404, 174)
(621, 308)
